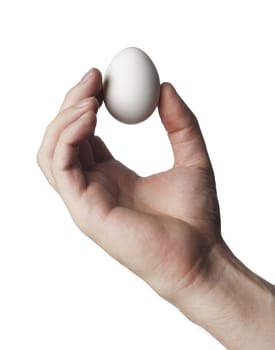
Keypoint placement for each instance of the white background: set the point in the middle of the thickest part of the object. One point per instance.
(58, 290)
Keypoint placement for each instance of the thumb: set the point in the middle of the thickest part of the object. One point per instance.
(183, 129)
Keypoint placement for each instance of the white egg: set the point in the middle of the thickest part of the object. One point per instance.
(131, 86)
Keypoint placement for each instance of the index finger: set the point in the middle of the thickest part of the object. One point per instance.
(90, 85)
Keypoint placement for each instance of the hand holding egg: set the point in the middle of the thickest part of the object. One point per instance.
(131, 86)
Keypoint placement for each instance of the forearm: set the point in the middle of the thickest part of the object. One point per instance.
(234, 305)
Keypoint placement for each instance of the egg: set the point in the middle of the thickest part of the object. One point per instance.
(131, 86)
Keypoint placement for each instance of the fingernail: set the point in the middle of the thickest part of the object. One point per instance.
(84, 102)
(87, 76)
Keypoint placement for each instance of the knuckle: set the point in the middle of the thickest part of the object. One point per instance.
(39, 158)
(70, 93)
(49, 128)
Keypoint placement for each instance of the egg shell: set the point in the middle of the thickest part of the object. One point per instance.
(131, 86)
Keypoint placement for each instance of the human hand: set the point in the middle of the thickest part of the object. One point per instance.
(162, 227)
(165, 227)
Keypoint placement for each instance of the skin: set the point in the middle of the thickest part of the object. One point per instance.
(165, 227)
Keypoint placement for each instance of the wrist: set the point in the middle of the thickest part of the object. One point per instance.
(232, 303)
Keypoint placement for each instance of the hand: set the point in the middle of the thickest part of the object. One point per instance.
(166, 227)
(162, 227)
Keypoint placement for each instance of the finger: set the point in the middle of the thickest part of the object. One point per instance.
(66, 167)
(100, 97)
(73, 106)
(100, 151)
(183, 129)
(89, 85)
(63, 119)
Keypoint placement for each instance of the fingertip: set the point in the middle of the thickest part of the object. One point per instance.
(182, 127)
(89, 85)
(100, 97)
(168, 103)
(81, 129)
(88, 103)
(97, 75)
(93, 77)
(95, 104)
(173, 111)
(90, 119)
(167, 90)
(93, 73)
(167, 87)
(167, 95)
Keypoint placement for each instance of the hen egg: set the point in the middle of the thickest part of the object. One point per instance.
(131, 86)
